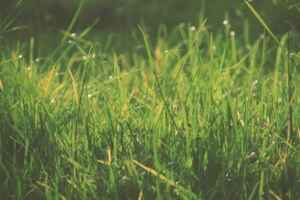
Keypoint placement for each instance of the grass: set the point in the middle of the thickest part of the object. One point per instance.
(189, 115)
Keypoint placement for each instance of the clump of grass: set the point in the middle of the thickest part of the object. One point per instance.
(191, 115)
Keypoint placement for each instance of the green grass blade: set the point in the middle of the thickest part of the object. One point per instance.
(262, 21)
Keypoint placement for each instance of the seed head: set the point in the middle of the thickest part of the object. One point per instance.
(232, 33)
(225, 22)
(73, 35)
(192, 28)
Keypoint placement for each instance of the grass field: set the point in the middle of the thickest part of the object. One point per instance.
(189, 114)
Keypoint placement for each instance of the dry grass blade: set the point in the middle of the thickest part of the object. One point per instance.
(156, 174)
(164, 179)
(74, 85)
(141, 195)
(1, 86)
(274, 195)
(109, 158)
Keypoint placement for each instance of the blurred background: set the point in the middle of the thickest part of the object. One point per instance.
(37, 16)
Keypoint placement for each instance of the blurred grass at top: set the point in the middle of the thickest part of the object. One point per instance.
(119, 15)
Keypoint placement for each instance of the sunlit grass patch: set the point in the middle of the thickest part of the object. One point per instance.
(189, 115)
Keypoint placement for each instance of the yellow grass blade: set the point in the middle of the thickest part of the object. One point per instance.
(162, 177)
(74, 85)
(141, 195)
(1, 85)
(274, 195)
(45, 82)
(109, 158)
(155, 173)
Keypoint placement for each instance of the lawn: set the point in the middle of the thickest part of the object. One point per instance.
(185, 114)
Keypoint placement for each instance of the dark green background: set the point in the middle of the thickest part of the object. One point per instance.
(43, 15)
